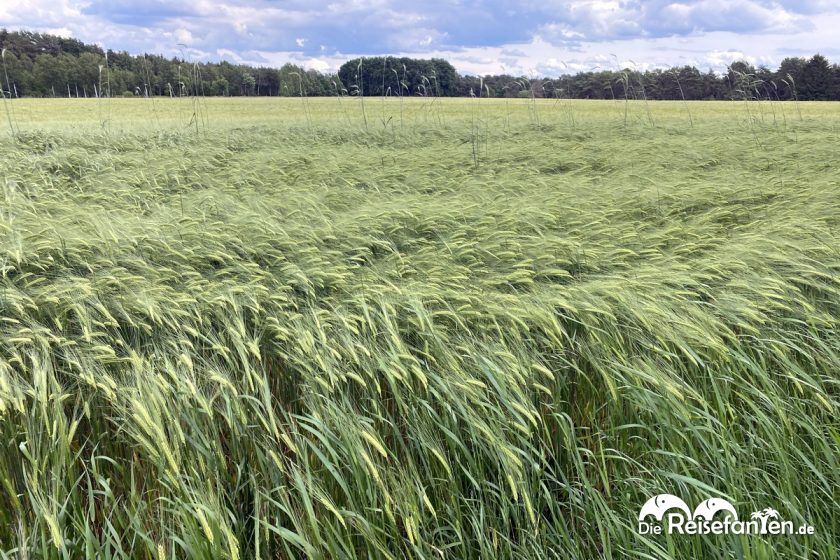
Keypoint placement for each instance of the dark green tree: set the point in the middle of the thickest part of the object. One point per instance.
(816, 80)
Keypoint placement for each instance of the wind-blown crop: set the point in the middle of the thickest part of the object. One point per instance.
(294, 336)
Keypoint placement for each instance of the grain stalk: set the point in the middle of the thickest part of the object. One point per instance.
(7, 93)
(360, 89)
(682, 96)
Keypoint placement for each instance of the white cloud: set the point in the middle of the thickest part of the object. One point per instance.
(41, 14)
(183, 36)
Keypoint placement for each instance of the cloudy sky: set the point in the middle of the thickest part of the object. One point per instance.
(531, 37)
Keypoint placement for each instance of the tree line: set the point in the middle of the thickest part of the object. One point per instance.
(41, 65)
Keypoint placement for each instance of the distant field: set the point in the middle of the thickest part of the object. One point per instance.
(345, 328)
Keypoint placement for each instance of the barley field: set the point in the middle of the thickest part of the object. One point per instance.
(415, 328)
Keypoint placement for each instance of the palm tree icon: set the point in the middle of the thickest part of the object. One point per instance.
(770, 513)
(764, 515)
